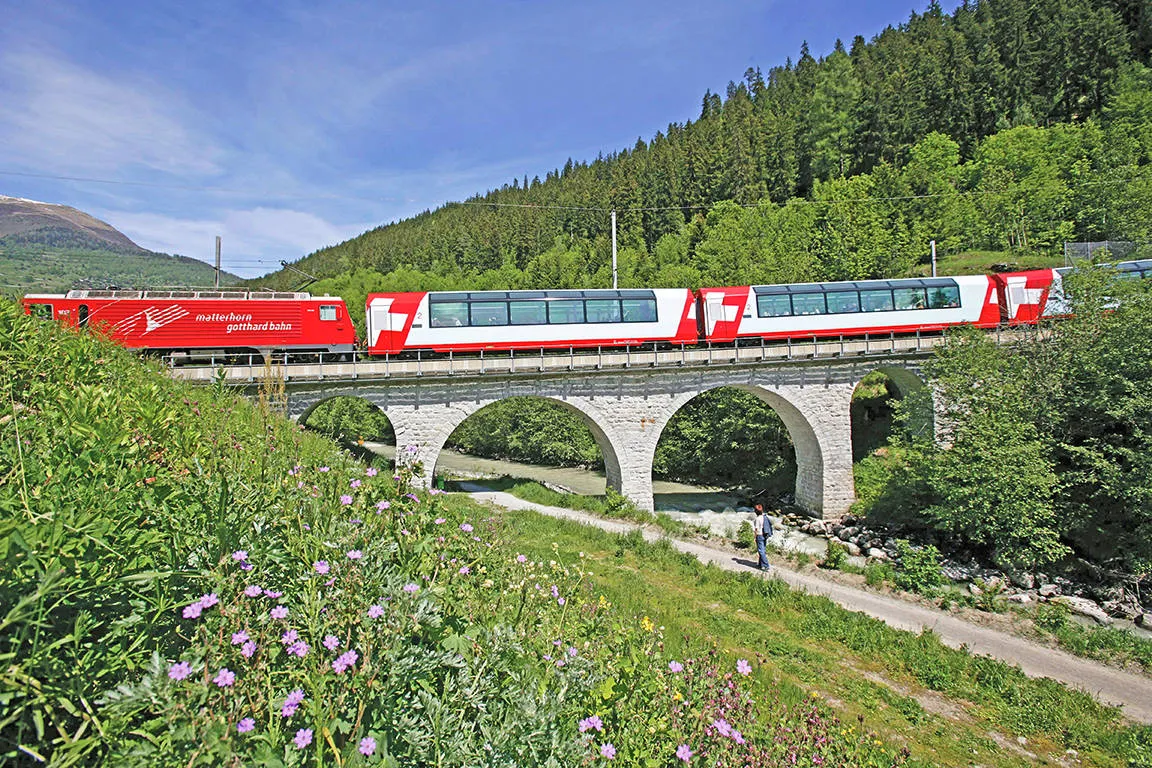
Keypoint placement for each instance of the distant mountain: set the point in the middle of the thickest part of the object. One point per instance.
(28, 222)
(50, 248)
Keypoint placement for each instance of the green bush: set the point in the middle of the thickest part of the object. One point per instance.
(875, 574)
(835, 557)
(745, 537)
(918, 568)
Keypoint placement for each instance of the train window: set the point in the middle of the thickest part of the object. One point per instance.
(639, 310)
(773, 305)
(489, 313)
(327, 311)
(840, 302)
(876, 301)
(82, 316)
(565, 311)
(528, 312)
(42, 311)
(945, 297)
(910, 298)
(808, 304)
(603, 310)
(449, 314)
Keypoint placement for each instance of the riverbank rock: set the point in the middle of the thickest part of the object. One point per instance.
(1084, 607)
(877, 554)
(1049, 590)
(1020, 598)
(852, 549)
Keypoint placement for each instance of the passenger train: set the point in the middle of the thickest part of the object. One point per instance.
(477, 321)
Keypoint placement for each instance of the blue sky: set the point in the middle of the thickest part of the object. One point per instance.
(286, 126)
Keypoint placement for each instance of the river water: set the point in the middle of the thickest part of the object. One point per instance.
(720, 511)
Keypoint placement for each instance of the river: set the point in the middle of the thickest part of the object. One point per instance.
(713, 507)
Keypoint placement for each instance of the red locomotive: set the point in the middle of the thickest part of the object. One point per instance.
(227, 320)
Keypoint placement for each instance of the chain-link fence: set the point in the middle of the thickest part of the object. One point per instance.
(1116, 250)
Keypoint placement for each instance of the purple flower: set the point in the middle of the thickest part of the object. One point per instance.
(722, 727)
(331, 642)
(225, 677)
(560, 601)
(414, 497)
(273, 594)
(356, 521)
(321, 567)
(466, 527)
(355, 554)
(245, 566)
(344, 661)
(322, 469)
(743, 667)
(684, 753)
(383, 505)
(179, 670)
(737, 736)
(410, 588)
(279, 612)
(367, 745)
(608, 751)
(675, 666)
(440, 521)
(354, 484)
(253, 590)
(209, 600)
(345, 499)
(295, 698)
(304, 735)
(521, 559)
(465, 571)
(287, 710)
(555, 591)
(248, 649)
(193, 611)
(299, 648)
(289, 637)
(590, 723)
(245, 725)
(239, 555)
(371, 471)
(375, 611)
(239, 637)
(572, 651)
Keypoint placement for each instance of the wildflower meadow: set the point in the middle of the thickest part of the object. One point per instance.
(190, 579)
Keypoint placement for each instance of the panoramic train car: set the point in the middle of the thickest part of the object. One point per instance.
(846, 308)
(1028, 296)
(499, 320)
(234, 321)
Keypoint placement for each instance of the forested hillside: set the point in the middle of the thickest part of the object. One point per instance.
(1005, 126)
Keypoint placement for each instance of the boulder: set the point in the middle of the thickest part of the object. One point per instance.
(1049, 590)
(877, 554)
(852, 549)
(1024, 580)
(1020, 598)
(975, 590)
(1084, 607)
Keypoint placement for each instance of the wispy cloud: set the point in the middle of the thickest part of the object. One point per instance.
(254, 240)
(61, 117)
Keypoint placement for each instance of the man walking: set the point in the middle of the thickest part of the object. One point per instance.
(762, 525)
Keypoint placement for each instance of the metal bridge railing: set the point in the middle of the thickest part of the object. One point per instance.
(244, 369)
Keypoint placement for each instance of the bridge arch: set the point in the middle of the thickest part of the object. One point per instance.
(810, 444)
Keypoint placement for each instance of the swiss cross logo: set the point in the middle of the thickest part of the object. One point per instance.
(153, 318)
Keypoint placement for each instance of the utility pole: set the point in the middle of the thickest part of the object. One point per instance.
(613, 248)
(217, 262)
(933, 258)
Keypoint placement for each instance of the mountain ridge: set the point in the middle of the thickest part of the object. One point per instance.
(25, 222)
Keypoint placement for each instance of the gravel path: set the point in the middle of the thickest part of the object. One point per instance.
(1131, 692)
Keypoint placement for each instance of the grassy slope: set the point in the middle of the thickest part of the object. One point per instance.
(947, 707)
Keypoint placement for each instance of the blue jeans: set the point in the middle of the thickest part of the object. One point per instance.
(760, 548)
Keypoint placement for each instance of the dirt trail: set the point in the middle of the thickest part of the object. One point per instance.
(1112, 686)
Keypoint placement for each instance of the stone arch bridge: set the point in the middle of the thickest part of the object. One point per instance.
(626, 398)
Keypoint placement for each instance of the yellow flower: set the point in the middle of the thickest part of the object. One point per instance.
(647, 624)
